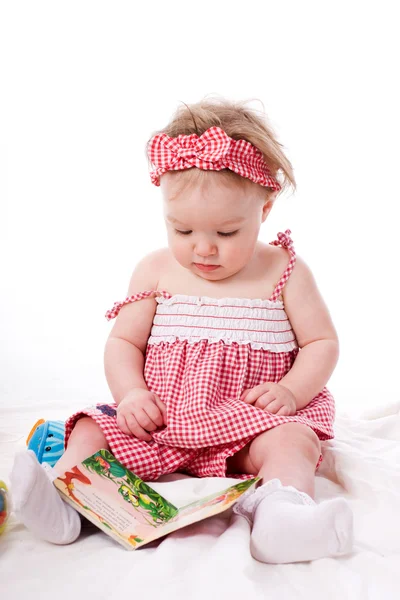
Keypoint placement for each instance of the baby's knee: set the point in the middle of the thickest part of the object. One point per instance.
(88, 430)
(290, 439)
(303, 439)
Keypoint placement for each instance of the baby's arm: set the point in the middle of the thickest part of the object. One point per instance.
(315, 334)
(126, 345)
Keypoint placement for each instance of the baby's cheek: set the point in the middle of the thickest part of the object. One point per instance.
(181, 253)
(239, 254)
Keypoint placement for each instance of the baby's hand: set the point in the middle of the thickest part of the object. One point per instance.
(139, 412)
(273, 397)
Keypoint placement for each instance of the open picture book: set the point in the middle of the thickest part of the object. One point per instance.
(130, 510)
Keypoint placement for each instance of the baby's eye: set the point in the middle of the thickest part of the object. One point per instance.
(223, 234)
(228, 233)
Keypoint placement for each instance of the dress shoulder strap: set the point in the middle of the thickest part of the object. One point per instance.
(286, 242)
(111, 314)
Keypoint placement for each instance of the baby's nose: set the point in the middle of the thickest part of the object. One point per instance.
(205, 249)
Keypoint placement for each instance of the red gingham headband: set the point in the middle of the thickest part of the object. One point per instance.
(212, 151)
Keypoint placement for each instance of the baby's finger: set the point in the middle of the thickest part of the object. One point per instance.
(273, 407)
(245, 394)
(121, 422)
(264, 400)
(256, 392)
(136, 429)
(154, 413)
(284, 411)
(251, 396)
(162, 408)
(145, 420)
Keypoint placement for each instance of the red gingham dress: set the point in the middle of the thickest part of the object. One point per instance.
(201, 355)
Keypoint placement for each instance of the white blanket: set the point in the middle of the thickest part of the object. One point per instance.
(211, 559)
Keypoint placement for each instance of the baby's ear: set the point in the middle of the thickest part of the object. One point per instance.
(268, 204)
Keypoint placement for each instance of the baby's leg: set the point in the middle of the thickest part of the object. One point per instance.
(36, 501)
(288, 526)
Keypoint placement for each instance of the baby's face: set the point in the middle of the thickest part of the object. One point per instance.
(213, 222)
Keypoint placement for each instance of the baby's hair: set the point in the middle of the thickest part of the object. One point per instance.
(240, 123)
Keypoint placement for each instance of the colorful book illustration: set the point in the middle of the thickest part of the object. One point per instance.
(127, 508)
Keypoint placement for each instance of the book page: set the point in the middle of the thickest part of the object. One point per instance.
(182, 490)
(204, 508)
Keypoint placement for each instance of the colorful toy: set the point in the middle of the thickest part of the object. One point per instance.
(4, 506)
(46, 439)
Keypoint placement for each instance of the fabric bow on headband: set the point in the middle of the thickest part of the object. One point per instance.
(212, 151)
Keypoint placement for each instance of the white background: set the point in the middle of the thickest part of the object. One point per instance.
(85, 84)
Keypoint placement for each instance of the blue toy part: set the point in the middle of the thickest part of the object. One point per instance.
(4, 506)
(46, 439)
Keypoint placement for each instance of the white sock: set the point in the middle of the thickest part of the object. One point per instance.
(288, 526)
(37, 502)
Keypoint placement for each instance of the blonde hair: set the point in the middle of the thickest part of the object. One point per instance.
(240, 123)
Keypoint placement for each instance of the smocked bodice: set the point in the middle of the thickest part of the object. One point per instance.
(260, 323)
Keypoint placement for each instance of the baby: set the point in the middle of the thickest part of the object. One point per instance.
(219, 356)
